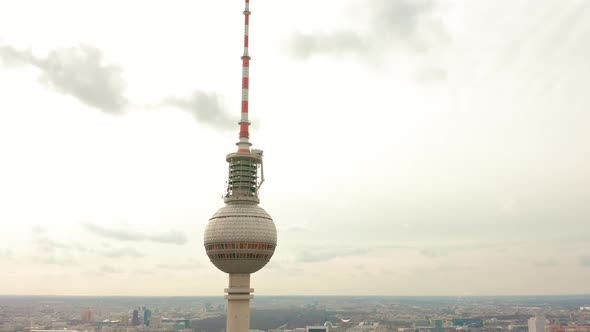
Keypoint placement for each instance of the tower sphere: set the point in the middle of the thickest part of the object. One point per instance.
(240, 238)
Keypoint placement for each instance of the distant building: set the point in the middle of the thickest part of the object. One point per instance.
(537, 324)
(124, 320)
(317, 329)
(88, 316)
(135, 319)
(147, 317)
(156, 322)
(438, 325)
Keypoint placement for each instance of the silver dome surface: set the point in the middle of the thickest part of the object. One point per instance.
(240, 238)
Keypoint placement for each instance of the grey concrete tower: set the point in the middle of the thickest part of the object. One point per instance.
(241, 237)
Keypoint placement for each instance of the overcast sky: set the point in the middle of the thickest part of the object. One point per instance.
(413, 147)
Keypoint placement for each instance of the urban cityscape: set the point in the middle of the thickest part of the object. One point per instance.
(298, 314)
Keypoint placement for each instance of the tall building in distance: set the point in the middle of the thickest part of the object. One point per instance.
(241, 237)
(147, 317)
(537, 323)
(135, 319)
(88, 316)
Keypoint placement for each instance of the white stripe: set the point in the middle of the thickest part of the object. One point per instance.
(245, 71)
(244, 94)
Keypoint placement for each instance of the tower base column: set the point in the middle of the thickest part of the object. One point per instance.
(238, 302)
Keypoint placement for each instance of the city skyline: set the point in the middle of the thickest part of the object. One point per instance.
(444, 145)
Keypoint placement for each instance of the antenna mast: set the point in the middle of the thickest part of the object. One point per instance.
(244, 143)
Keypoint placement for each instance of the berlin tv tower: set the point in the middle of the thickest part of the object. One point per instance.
(241, 237)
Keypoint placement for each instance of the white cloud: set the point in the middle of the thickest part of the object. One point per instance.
(80, 72)
(170, 237)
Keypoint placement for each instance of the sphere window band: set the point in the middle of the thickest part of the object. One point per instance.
(240, 256)
(239, 245)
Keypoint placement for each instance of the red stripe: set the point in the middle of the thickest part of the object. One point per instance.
(244, 132)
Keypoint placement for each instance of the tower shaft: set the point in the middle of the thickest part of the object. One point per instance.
(244, 143)
(238, 302)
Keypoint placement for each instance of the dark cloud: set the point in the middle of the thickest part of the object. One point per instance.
(83, 73)
(584, 261)
(206, 108)
(170, 237)
(80, 72)
(322, 255)
(392, 24)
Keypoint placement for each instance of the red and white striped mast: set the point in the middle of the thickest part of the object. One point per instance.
(244, 144)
